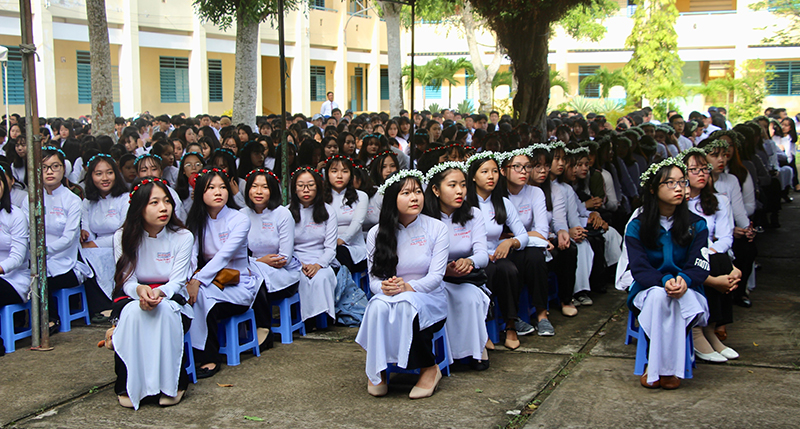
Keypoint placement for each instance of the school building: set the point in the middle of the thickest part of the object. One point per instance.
(165, 60)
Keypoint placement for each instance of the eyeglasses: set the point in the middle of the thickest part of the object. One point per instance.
(55, 168)
(672, 183)
(309, 186)
(193, 164)
(697, 171)
(521, 168)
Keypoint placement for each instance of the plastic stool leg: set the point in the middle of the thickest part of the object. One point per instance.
(191, 371)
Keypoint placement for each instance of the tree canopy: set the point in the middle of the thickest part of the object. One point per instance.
(788, 32)
(223, 13)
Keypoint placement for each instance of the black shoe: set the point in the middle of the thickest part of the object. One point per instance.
(99, 318)
(477, 365)
(206, 373)
(743, 302)
(56, 328)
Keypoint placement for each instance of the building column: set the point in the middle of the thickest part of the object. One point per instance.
(130, 84)
(301, 66)
(340, 75)
(198, 70)
(374, 78)
(45, 65)
(259, 81)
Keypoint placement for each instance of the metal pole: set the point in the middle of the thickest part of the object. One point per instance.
(284, 143)
(413, 84)
(40, 319)
(5, 70)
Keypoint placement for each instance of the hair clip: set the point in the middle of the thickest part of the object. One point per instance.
(265, 171)
(145, 182)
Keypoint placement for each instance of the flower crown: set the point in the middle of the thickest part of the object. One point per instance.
(145, 182)
(537, 146)
(398, 176)
(716, 144)
(438, 168)
(651, 172)
(211, 170)
(98, 156)
(147, 155)
(338, 156)
(516, 152)
(684, 156)
(224, 150)
(380, 154)
(577, 151)
(481, 155)
(305, 168)
(558, 144)
(191, 153)
(262, 170)
(55, 149)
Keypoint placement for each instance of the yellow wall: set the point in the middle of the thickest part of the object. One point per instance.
(572, 79)
(228, 70)
(151, 82)
(323, 28)
(271, 86)
(66, 65)
(339, 98)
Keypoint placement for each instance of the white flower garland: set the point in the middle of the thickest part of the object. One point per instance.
(557, 144)
(438, 168)
(535, 146)
(516, 152)
(400, 175)
(655, 167)
(482, 155)
(577, 151)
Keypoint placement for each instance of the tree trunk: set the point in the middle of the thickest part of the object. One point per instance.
(102, 92)
(245, 77)
(529, 59)
(483, 75)
(391, 13)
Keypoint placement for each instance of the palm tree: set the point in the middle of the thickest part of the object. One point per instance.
(606, 79)
(501, 78)
(424, 74)
(446, 69)
(557, 80)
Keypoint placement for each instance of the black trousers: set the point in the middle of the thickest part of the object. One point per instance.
(344, 258)
(503, 280)
(533, 273)
(746, 253)
(421, 353)
(720, 305)
(596, 278)
(220, 311)
(262, 306)
(564, 264)
(122, 371)
(8, 295)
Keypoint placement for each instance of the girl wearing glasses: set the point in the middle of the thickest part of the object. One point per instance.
(723, 276)
(666, 245)
(62, 234)
(315, 235)
(531, 206)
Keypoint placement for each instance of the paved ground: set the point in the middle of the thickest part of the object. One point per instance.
(582, 377)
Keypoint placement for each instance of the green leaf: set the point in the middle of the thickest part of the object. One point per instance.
(255, 419)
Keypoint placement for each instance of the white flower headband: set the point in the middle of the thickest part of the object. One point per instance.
(400, 175)
(482, 155)
(536, 146)
(683, 156)
(516, 152)
(438, 168)
(651, 172)
(557, 144)
(583, 149)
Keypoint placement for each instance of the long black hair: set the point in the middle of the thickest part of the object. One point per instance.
(376, 166)
(5, 199)
(229, 159)
(500, 214)
(350, 194)
(182, 185)
(49, 151)
(273, 184)
(245, 161)
(708, 200)
(133, 228)
(682, 230)
(384, 260)
(197, 219)
(117, 189)
(320, 213)
(432, 206)
(543, 157)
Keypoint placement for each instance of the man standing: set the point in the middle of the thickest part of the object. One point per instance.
(328, 106)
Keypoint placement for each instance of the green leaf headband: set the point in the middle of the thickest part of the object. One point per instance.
(400, 175)
(684, 156)
(438, 168)
(716, 144)
(651, 172)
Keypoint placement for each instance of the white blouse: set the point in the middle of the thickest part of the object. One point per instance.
(164, 259)
(532, 210)
(350, 220)
(720, 226)
(224, 246)
(557, 217)
(494, 231)
(469, 240)
(62, 230)
(19, 198)
(102, 218)
(315, 243)
(14, 250)
(728, 185)
(271, 232)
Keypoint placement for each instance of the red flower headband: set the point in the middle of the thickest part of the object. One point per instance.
(145, 182)
(211, 170)
(306, 168)
(262, 170)
(386, 152)
(337, 156)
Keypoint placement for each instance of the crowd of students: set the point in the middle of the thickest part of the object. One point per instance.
(177, 223)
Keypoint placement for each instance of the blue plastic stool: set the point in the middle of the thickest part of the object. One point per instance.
(632, 331)
(231, 343)
(286, 325)
(641, 355)
(361, 280)
(322, 320)
(65, 314)
(191, 371)
(552, 289)
(440, 351)
(494, 326)
(8, 332)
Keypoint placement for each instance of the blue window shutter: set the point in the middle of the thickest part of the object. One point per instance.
(433, 93)
(591, 90)
(384, 84)
(785, 79)
(16, 87)
(215, 80)
(174, 76)
(318, 83)
(84, 77)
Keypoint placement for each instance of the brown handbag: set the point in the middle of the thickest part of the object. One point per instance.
(225, 277)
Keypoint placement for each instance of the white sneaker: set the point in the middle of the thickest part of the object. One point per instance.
(711, 357)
